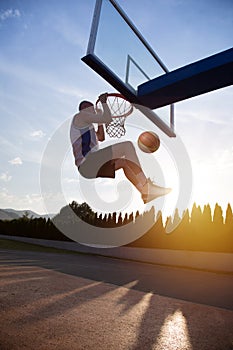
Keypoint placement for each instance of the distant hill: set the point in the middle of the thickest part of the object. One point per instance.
(5, 215)
(10, 214)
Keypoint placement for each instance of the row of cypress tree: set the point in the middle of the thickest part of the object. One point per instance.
(198, 230)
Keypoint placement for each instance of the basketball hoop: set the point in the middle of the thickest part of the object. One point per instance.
(120, 109)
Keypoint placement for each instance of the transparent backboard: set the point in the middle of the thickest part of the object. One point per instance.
(119, 53)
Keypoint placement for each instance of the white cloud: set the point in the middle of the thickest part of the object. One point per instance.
(70, 180)
(40, 78)
(5, 177)
(31, 201)
(9, 13)
(32, 198)
(223, 160)
(5, 197)
(30, 154)
(69, 30)
(37, 134)
(8, 146)
(16, 161)
(219, 162)
(70, 91)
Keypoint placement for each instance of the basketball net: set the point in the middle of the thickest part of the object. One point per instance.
(120, 109)
(116, 128)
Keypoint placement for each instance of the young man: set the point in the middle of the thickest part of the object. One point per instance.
(93, 162)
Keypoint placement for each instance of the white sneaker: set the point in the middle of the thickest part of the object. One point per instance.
(151, 191)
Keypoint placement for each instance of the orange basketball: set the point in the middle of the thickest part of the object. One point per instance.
(148, 142)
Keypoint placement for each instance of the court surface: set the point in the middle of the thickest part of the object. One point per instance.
(66, 301)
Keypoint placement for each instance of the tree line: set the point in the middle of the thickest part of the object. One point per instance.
(197, 230)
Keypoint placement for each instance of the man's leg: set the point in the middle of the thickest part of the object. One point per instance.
(127, 160)
(137, 178)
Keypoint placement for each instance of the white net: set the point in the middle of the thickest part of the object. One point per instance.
(120, 108)
(116, 128)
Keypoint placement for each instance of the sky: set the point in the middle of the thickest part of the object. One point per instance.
(42, 80)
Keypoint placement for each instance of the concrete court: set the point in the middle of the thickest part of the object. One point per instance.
(59, 301)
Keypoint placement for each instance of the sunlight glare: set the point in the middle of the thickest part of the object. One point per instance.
(174, 333)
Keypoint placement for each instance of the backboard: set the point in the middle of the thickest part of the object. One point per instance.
(118, 52)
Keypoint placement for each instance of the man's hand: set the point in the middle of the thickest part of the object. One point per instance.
(106, 116)
(103, 97)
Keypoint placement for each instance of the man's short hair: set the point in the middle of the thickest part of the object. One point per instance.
(85, 104)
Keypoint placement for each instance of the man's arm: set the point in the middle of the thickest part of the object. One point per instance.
(100, 133)
(107, 112)
(98, 118)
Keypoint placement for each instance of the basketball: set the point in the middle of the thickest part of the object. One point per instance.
(148, 142)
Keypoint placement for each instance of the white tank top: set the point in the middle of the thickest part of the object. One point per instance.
(84, 140)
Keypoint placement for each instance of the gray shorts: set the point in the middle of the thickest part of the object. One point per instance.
(98, 164)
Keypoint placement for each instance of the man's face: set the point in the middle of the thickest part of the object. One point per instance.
(89, 106)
